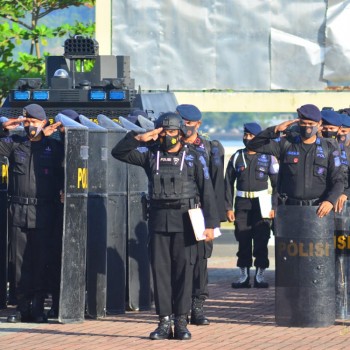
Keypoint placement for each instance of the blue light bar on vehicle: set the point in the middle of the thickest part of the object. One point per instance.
(38, 95)
(97, 95)
(19, 95)
(116, 95)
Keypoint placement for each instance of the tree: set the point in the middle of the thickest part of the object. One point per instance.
(21, 23)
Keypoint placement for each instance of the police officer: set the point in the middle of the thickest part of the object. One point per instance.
(310, 172)
(343, 140)
(250, 171)
(178, 179)
(214, 154)
(331, 124)
(35, 176)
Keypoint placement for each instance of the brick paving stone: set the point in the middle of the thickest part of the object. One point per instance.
(240, 319)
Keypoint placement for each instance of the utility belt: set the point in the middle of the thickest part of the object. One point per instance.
(251, 194)
(28, 201)
(188, 203)
(285, 200)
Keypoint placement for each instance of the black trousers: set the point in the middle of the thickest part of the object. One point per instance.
(252, 233)
(28, 256)
(172, 258)
(200, 270)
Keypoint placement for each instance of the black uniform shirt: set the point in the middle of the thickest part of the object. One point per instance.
(214, 153)
(250, 172)
(171, 220)
(306, 171)
(345, 164)
(35, 173)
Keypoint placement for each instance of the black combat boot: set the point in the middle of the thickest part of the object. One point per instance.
(38, 314)
(243, 281)
(164, 330)
(53, 312)
(181, 332)
(23, 311)
(197, 313)
(259, 281)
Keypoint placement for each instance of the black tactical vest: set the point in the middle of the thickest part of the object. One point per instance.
(172, 182)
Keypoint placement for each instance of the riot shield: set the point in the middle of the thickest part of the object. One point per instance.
(3, 232)
(145, 123)
(129, 125)
(116, 220)
(342, 262)
(305, 293)
(73, 267)
(96, 260)
(138, 264)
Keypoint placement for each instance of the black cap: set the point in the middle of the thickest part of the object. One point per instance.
(169, 121)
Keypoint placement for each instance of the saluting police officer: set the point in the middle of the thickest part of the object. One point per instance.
(343, 141)
(35, 176)
(251, 172)
(310, 172)
(178, 180)
(214, 153)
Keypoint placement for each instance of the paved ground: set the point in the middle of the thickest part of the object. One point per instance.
(241, 319)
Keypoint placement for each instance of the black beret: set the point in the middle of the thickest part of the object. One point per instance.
(252, 128)
(310, 112)
(34, 111)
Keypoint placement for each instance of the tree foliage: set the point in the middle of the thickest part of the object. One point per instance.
(20, 24)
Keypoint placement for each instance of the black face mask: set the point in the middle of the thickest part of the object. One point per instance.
(245, 142)
(188, 130)
(168, 142)
(308, 131)
(329, 134)
(32, 131)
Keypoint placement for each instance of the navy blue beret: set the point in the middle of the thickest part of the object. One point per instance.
(345, 120)
(252, 128)
(71, 114)
(330, 117)
(189, 112)
(34, 111)
(310, 112)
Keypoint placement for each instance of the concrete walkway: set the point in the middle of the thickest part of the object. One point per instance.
(240, 319)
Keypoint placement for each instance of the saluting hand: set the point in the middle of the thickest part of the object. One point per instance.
(324, 209)
(340, 203)
(150, 135)
(283, 126)
(12, 123)
(50, 129)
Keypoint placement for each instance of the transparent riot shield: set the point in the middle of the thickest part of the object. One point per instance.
(116, 220)
(342, 262)
(96, 260)
(305, 293)
(73, 267)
